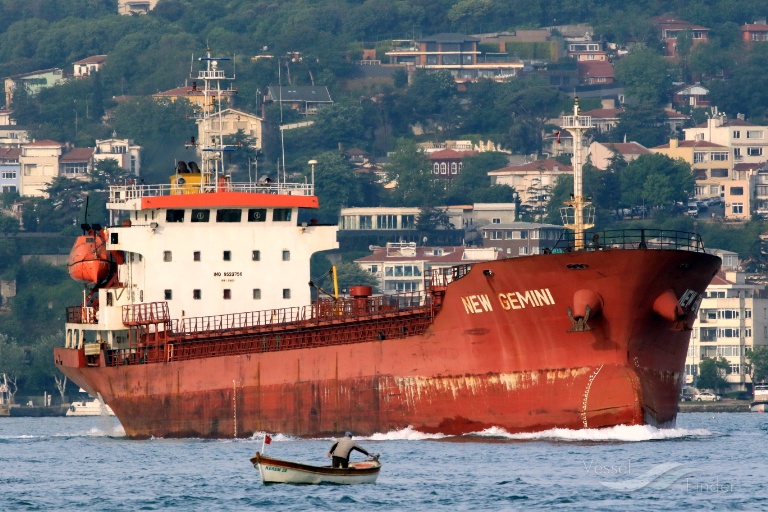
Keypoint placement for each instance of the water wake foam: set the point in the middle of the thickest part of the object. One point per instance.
(623, 433)
(406, 434)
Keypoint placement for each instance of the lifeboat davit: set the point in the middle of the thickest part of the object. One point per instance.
(89, 260)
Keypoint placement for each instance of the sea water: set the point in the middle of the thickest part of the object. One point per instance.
(708, 462)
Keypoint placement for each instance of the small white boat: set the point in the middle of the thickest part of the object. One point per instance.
(276, 471)
(89, 408)
(760, 398)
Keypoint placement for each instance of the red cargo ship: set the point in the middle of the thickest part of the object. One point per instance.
(593, 334)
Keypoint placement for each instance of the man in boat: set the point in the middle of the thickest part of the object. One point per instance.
(341, 449)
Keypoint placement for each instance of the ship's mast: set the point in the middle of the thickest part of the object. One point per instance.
(578, 214)
(212, 147)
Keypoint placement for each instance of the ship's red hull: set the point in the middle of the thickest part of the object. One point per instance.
(502, 351)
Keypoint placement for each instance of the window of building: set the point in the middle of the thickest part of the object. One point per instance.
(366, 222)
(286, 293)
(286, 255)
(386, 222)
(257, 294)
(201, 215)
(168, 294)
(8, 188)
(256, 255)
(454, 168)
(755, 151)
(719, 156)
(373, 269)
(167, 256)
(754, 134)
(76, 168)
(443, 168)
(281, 214)
(408, 222)
(227, 294)
(227, 255)
(196, 294)
(699, 157)
(174, 216)
(719, 173)
(229, 215)
(196, 256)
(257, 214)
(9, 175)
(737, 208)
(523, 251)
(497, 235)
(736, 134)
(737, 191)
(496, 221)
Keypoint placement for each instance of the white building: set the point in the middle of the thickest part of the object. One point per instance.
(400, 267)
(732, 318)
(124, 151)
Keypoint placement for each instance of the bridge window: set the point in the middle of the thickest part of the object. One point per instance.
(257, 293)
(201, 215)
(286, 255)
(227, 294)
(168, 294)
(227, 255)
(256, 255)
(286, 293)
(174, 216)
(196, 294)
(281, 214)
(229, 215)
(257, 214)
(196, 256)
(167, 256)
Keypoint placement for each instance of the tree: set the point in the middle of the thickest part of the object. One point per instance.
(411, 169)
(758, 358)
(655, 180)
(711, 373)
(644, 123)
(473, 178)
(350, 273)
(337, 186)
(646, 76)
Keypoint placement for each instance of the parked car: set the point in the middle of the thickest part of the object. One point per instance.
(706, 396)
(685, 398)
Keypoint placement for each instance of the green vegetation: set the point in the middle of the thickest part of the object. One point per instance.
(711, 373)
(758, 358)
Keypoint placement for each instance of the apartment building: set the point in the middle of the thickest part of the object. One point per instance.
(747, 141)
(710, 163)
(732, 317)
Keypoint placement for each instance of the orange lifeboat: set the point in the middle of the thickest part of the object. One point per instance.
(88, 260)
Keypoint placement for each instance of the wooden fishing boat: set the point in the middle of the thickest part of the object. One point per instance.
(276, 471)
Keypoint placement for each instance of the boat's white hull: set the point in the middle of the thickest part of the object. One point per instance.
(89, 408)
(759, 406)
(274, 471)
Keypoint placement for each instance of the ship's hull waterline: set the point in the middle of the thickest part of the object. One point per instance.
(507, 348)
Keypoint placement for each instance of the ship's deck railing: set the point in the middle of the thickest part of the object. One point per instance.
(441, 277)
(128, 192)
(632, 239)
(322, 311)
